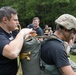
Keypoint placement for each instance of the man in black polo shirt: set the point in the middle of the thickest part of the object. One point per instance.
(53, 52)
(10, 47)
(36, 27)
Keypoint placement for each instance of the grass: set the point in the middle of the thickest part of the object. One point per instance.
(73, 57)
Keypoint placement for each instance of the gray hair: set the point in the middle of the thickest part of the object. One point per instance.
(6, 12)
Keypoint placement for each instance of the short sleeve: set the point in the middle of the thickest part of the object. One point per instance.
(59, 55)
(3, 42)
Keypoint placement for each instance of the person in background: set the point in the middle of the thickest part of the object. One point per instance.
(53, 52)
(10, 46)
(30, 26)
(68, 48)
(73, 47)
(36, 27)
(46, 27)
(48, 30)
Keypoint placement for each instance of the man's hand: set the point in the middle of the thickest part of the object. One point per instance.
(26, 31)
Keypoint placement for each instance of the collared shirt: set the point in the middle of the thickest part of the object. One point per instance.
(7, 66)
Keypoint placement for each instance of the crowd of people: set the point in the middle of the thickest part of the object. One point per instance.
(53, 53)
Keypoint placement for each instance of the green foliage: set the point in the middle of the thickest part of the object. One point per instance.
(73, 57)
(46, 10)
(61, 1)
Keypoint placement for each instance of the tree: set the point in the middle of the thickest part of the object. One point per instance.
(46, 10)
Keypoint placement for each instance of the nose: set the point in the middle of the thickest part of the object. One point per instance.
(17, 22)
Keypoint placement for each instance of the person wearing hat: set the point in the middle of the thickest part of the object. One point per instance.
(53, 52)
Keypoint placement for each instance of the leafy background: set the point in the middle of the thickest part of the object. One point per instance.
(46, 10)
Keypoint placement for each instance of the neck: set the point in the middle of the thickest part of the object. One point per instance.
(59, 35)
(35, 27)
(3, 26)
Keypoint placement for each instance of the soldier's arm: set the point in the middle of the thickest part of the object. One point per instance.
(67, 70)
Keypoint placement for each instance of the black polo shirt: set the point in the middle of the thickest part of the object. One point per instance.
(7, 66)
(53, 53)
(39, 31)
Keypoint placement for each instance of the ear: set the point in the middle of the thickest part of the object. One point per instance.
(4, 19)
